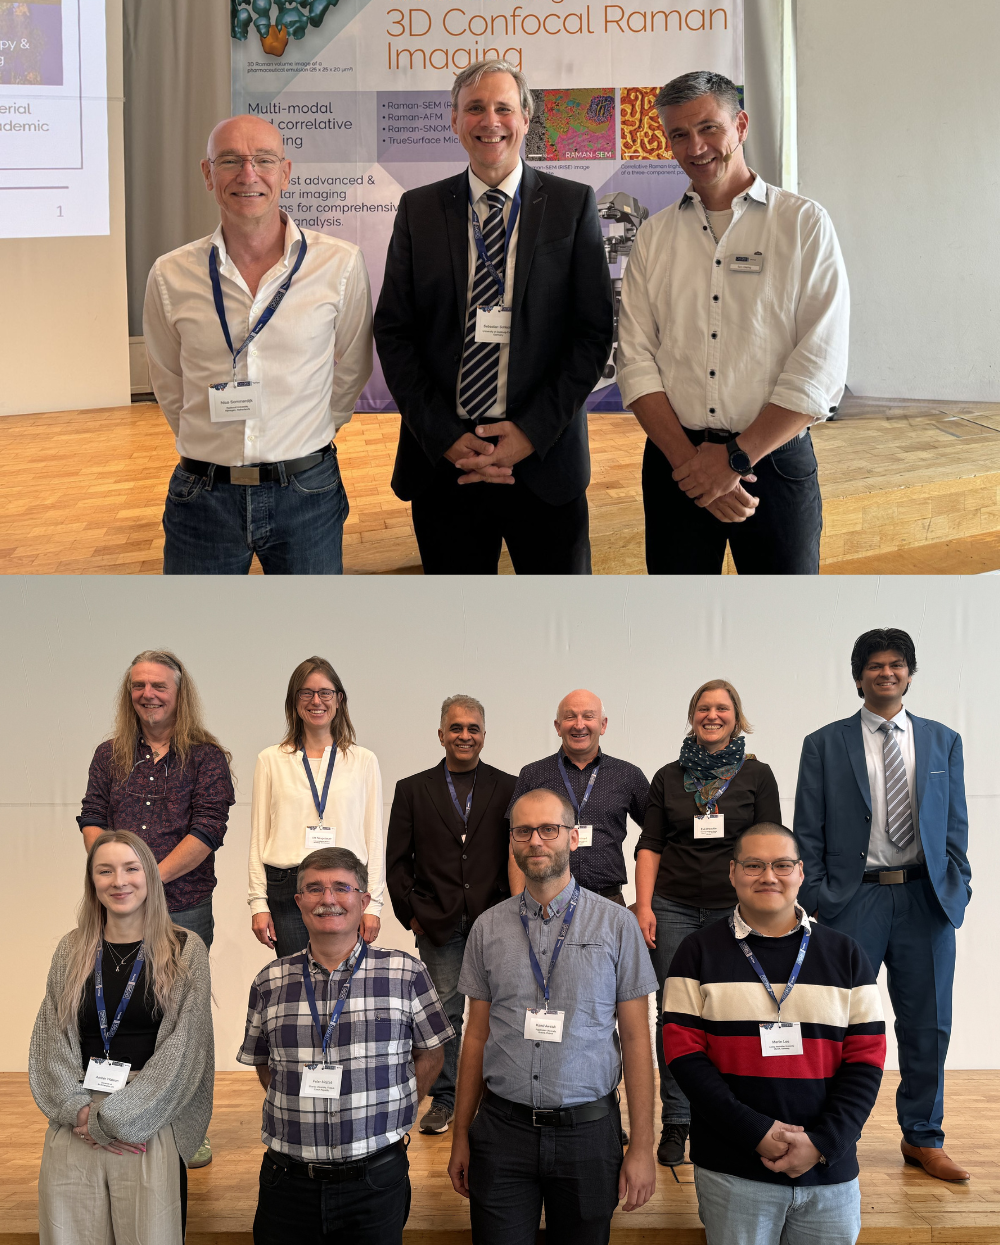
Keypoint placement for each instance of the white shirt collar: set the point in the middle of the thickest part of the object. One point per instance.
(292, 235)
(741, 928)
(757, 191)
(509, 184)
(874, 722)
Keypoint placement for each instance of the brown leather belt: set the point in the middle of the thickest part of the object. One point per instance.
(259, 473)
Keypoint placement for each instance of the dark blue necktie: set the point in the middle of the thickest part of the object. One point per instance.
(481, 360)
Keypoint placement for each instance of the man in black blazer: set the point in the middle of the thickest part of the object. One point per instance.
(493, 325)
(446, 862)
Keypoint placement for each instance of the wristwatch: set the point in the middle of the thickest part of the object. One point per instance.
(739, 459)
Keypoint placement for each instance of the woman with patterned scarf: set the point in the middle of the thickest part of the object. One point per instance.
(698, 804)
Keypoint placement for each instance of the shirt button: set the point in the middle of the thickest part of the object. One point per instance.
(143, 827)
(711, 373)
(711, 410)
(718, 263)
(150, 780)
(715, 298)
(704, 229)
(147, 804)
(714, 335)
(538, 1043)
(250, 437)
(464, 857)
(534, 1078)
(467, 886)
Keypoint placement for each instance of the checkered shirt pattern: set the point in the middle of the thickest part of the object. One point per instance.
(391, 1008)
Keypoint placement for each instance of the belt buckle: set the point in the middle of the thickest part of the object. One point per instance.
(537, 1111)
(317, 1170)
(891, 877)
(245, 475)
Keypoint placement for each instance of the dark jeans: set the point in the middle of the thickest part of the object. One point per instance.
(444, 964)
(370, 1211)
(295, 526)
(515, 1168)
(780, 538)
(291, 934)
(674, 921)
(199, 920)
(460, 527)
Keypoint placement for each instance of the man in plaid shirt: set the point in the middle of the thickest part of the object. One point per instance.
(346, 1040)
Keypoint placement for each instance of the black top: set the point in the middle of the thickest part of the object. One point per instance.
(696, 871)
(463, 784)
(135, 1039)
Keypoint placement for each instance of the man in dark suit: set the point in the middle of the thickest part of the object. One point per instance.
(880, 815)
(446, 862)
(493, 325)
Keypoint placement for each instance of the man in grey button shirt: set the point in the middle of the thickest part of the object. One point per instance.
(543, 1087)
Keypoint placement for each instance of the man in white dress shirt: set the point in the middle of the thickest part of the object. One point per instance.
(732, 342)
(259, 343)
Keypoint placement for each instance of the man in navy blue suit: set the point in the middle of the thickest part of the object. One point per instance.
(880, 815)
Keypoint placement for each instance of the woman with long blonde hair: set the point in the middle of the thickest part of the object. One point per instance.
(122, 1059)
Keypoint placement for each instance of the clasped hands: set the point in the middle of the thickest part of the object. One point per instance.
(707, 478)
(485, 463)
(116, 1147)
(786, 1148)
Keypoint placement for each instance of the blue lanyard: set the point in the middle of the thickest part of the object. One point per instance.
(560, 939)
(320, 804)
(477, 233)
(793, 976)
(454, 795)
(345, 990)
(577, 808)
(102, 1014)
(266, 314)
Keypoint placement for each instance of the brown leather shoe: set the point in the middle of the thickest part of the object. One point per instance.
(934, 1162)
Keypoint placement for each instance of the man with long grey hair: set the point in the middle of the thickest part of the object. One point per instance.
(732, 342)
(493, 325)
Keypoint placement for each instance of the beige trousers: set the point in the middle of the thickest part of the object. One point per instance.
(93, 1197)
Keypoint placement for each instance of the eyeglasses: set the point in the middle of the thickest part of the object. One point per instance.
(233, 164)
(315, 891)
(780, 868)
(522, 834)
(326, 695)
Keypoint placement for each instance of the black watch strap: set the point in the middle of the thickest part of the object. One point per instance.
(739, 459)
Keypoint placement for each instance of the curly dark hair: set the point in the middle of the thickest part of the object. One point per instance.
(882, 640)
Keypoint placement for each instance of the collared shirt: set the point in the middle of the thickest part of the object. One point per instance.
(621, 791)
(312, 359)
(603, 962)
(163, 802)
(723, 344)
(741, 929)
(392, 1007)
(509, 186)
(883, 854)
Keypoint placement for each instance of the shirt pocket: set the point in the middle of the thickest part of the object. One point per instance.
(387, 1033)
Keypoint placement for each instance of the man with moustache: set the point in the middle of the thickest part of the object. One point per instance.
(447, 855)
(493, 325)
(732, 341)
(548, 973)
(337, 1105)
(880, 813)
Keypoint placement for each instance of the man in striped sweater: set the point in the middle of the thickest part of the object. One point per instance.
(773, 1029)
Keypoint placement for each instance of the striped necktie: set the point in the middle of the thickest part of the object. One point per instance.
(898, 817)
(481, 360)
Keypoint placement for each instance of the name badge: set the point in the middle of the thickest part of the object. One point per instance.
(236, 399)
(321, 1080)
(747, 262)
(711, 826)
(106, 1075)
(782, 1037)
(543, 1026)
(586, 834)
(320, 836)
(493, 324)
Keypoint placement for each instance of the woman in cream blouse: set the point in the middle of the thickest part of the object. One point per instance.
(292, 816)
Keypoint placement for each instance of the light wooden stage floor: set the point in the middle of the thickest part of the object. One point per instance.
(899, 1203)
(909, 488)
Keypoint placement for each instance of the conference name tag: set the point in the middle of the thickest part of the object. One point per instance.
(542, 1025)
(711, 826)
(321, 1080)
(747, 263)
(586, 834)
(782, 1037)
(493, 324)
(320, 836)
(236, 399)
(106, 1075)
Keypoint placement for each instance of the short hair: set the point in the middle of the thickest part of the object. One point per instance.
(567, 809)
(761, 828)
(882, 640)
(333, 858)
(472, 76)
(463, 702)
(691, 86)
(742, 726)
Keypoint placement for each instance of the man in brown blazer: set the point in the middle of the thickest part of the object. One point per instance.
(447, 858)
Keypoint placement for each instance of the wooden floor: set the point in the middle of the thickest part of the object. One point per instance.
(909, 488)
(899, 1203)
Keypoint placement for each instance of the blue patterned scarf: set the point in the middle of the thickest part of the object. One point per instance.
(705, 773)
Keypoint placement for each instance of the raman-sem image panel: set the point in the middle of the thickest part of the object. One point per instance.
(577, 123)
(643, 137)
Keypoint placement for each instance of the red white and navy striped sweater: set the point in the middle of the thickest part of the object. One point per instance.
(714, 1003)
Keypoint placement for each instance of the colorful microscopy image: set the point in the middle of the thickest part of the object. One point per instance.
(31, 43)
(573, 124)
(642, 135)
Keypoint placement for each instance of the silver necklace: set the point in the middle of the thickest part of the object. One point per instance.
(120, 960)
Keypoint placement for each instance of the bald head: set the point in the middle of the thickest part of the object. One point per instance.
(580, 723)
(249, 196)
(245, 135)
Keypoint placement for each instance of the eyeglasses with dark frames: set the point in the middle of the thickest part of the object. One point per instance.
(780, 868)
(522, 834)
(326, 695)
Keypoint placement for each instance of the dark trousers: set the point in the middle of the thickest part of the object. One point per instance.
(515, 1168)
(904, 927)
(444, 964)
(369, 1211)
(291, 934)
(460, 528)
(780, 538)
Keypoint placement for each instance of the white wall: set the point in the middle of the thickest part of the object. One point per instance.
(890, 97)
(401, 646)
(63, 311)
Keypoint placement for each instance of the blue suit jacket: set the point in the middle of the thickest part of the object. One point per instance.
(833, 815)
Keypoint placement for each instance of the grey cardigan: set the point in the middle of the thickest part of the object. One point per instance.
(174, 1087)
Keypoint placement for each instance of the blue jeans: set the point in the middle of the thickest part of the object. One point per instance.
(674, 921)
(199, 920)
(444, 964)
(295, 526)
(750, 1212)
